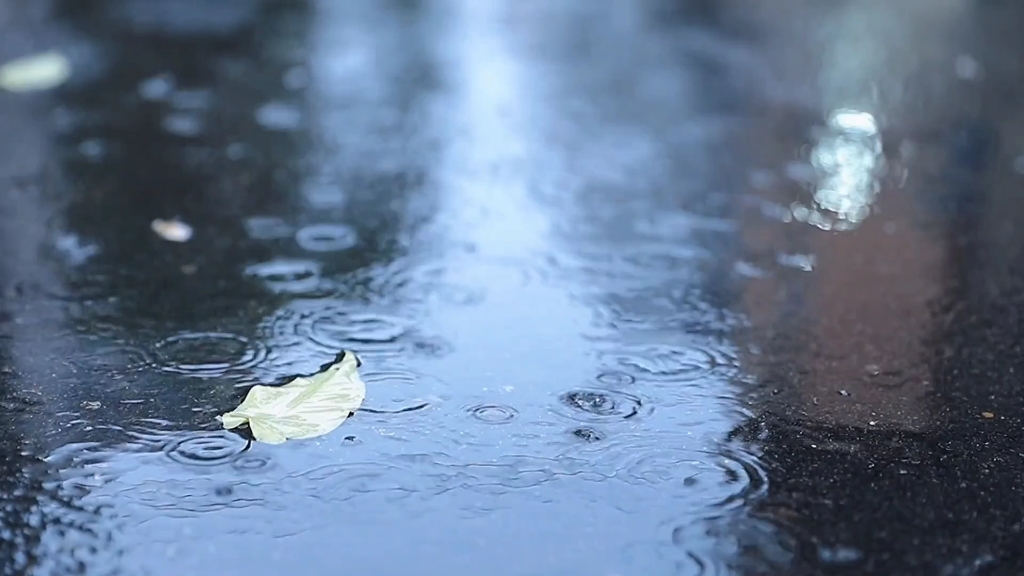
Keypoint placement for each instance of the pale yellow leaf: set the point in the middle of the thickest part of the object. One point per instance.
(305, 407)
(41, 71)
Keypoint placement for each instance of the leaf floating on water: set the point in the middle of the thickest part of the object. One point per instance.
(41, 71)
(172, 230)
(305, 407)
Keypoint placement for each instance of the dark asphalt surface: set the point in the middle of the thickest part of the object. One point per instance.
(640, 288)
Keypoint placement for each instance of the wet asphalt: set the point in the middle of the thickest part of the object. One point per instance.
(640, 288)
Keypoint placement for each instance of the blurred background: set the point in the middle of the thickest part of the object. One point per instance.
(651, 287)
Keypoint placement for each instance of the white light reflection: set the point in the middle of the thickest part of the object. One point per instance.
(848, 161)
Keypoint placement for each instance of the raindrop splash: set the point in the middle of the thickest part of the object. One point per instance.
(205, 448)
(493, 413)
(601, 406)
(326, 237)
(286, 276)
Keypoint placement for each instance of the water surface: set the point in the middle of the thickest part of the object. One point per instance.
(634, 293)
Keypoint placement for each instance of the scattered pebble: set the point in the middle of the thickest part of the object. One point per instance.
(987, 415)
(172, 230)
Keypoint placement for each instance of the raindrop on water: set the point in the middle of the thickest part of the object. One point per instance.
(598, 405)
(587, 434)
(205, 448)
(287, 275)
(208, 354)
(250, 462)
(493, 413)
(668, 363)
(326, 237)
(727, 479)
(333, 326)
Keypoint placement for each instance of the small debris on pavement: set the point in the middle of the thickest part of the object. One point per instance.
(172, 230)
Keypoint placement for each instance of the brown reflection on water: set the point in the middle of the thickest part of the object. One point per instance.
(841, 321)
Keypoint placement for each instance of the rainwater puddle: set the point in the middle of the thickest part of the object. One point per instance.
(579, 311)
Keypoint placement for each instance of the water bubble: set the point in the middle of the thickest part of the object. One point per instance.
(183, 124)
(671, 363)
(267, 228)
(279, 116)
(615, 378)
(335, 325)
(205, 448)
(493, 413)
(601, 406)
(287, 276)
(208, 354)
(326, 237)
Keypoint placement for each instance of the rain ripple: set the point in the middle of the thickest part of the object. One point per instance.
(493, 413)
(663, 363)
(205, 448)
(288, 276)
(208, 354)
(726, 478)
(334, 325)
(326, 237)
(600, 405)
